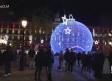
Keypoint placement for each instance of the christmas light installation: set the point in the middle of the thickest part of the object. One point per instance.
(71, 34)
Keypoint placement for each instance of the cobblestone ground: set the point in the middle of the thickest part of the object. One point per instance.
(28, 74)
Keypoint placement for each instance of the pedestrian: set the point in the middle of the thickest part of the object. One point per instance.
(66, 58)
(47, 62)
(1, 58)
(79, 58)
(61, 58)
(31, 55)
(102, 64)
(83, 61)
(39, 62)
(71, 60)
(75, 58)
(88, 61)
(52, 60)
(7, 58)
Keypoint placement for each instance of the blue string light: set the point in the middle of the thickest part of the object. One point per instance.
(71, 34)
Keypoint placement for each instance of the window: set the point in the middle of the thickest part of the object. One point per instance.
(4, 30)
(16, 25)
(21, 31)
(16, 32)
(27, 31)
(10, 38)
(21, 37)
(15, 37)
(10, 31)
(100, 35)
(105, 35)
(10, 25)
(27, 38)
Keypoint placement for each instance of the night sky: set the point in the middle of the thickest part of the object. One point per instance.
(89, 12)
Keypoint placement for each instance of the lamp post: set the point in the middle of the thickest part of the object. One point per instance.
(24, 23)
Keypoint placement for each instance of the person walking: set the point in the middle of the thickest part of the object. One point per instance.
(79, 58)
(66, 58)
(7, 58)
(88, 61)
(39, 62)
(83, 61)
(52, 60)
(1, 58)
(47, 62)
(101, 65)
(61, 58)
(71, 60)
(31, 55)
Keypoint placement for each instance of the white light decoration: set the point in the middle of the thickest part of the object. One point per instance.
(5, 37)
(30, 38)
(96, 42)
(105, 43)
(109, 34)
(71, 34)
(42, 41)
(24, 23)
(71, 18)
(3, 41)
(110, 43)
(67, 31)
(64, 20)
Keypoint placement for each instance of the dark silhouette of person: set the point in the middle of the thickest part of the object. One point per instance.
(47, 62)
(102, 64)
(7, 58)
(39, 62)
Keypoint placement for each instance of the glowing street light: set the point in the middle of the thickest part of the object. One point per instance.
(24, 23)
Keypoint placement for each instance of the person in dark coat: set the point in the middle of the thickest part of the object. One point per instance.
(102, 64)
(39, 62)
(7, 58)
(71, 60)
(79, 57)
(52, 60)
(31, 55)
(1, 58)
(88, 62)
(83, 61)
(47, 62)
(66, 58)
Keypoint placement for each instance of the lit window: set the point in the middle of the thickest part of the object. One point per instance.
(105, 34)
(100, 35)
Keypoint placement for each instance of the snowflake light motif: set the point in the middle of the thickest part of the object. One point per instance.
(30, 38)
(5, 37)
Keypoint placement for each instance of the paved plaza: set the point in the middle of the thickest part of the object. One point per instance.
(28, 74)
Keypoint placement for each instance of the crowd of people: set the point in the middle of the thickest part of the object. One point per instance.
(100, 62)
(70, 58)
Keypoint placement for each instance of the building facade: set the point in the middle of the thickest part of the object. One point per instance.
(14, 31)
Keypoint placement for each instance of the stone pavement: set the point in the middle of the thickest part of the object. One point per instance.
(28, 74)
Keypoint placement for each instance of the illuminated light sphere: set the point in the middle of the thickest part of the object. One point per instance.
(71, 34)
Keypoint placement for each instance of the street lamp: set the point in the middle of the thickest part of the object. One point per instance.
(24, 23)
